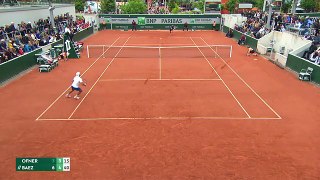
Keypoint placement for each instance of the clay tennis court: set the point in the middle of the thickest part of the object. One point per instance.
(164, 106)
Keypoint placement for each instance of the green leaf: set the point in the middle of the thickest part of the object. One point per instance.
(108, 6)
(134, 7)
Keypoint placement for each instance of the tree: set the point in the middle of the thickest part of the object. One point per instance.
(79, 5)
(231, 5)
(134, 7)
(259, 4)
(308, 5)
(222, 7)
(199, 5)
(286, 5)
(172, 4)
(107, 6)
(176, 9)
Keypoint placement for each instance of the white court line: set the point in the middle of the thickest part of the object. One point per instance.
(162, 118)
(69, 86)
(96, 81)
(106, 80)
(222, 81)
(183, 37)
(157, 45)
(246, 83)
(160, 63)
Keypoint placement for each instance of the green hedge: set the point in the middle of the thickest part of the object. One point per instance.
(297, 63)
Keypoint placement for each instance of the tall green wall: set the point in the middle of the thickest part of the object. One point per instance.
(15, 66)
(297, 63)
(195, 21)
(83, 34)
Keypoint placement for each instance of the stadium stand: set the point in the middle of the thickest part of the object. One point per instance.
(16, 40)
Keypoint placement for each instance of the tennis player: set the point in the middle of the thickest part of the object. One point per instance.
(251, 52)
(77, 80)
(171, 28)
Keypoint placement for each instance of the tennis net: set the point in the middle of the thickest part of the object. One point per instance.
(210, 51)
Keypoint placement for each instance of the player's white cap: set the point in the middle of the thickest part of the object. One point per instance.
(78, 74)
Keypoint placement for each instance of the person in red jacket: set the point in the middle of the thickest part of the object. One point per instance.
(134, 25)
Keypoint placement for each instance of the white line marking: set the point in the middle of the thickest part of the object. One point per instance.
(222, 80)
(160, 63)
(105, 80)
(96, 81)
(246, 84)
(69, 86)
(162, 47)
(183, 37)
(163, 118)
(157, 45)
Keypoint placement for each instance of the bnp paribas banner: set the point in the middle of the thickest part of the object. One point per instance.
(151, 21)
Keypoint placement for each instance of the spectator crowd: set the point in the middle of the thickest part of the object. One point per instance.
(18, 39)
(157, 9)
(256, 24)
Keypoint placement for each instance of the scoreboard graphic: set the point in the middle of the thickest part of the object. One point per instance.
(43, 164)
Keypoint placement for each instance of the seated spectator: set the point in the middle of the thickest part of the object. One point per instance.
(312, 48)
(251, 52)
(42, 42)
(242, 40)
(58, 37)
(229, 33)
(297, 24)
(13, 53)
(2, 33)
(3, 45)
(2, 59)
(10, 45)
(307, 36)
(20, 51)
(38, 35)
(25, 39)
(27, 48)
(283, 29)
(314, 57)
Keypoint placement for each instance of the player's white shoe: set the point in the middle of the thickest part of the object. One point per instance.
(76, 97)
(68, 95)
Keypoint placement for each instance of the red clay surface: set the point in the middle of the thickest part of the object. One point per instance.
(196, 118)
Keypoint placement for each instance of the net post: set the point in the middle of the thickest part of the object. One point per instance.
(88, 51)
(230, 51)
(103, 51)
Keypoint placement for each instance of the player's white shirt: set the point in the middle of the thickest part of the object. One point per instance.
(76, 81)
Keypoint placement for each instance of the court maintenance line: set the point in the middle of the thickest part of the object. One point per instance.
(98, 79)
(245, 82)
(69, 86)
(108, 80)
(222, 80)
